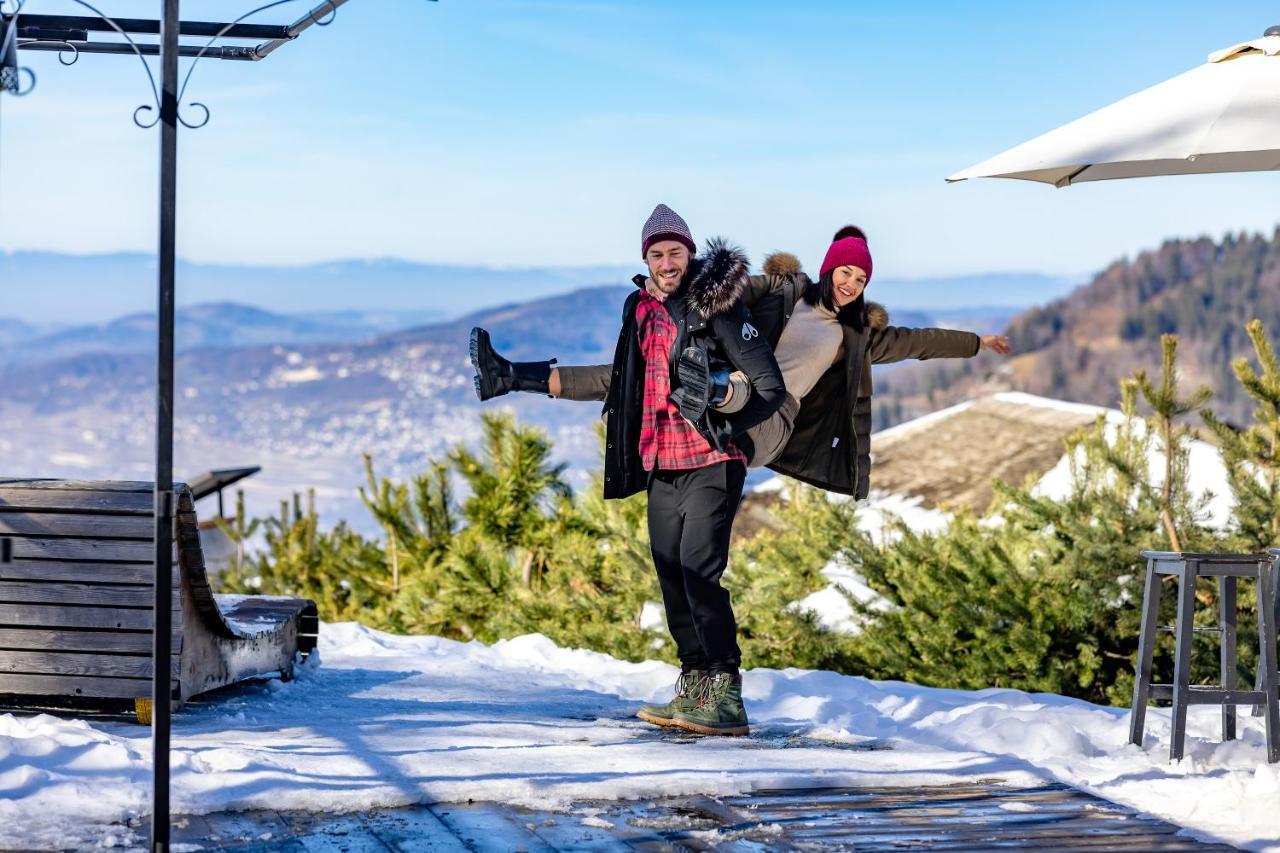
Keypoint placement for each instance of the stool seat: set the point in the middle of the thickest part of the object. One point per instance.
(1188, 567)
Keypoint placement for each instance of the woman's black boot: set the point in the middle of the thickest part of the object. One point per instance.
(496, 376)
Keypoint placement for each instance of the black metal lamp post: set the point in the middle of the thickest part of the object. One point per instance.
(70, 36)
(162, 641)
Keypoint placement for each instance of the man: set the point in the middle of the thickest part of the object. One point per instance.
(691, 467)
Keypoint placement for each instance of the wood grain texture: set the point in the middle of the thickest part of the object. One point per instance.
(108, 550)
(124, 503)
(70, 685)
(77, 663)
(104, 595)
(111, 486)
(61, 616)
(68, 640)
(72, 572)
(80, 526)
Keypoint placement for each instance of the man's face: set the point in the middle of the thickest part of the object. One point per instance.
(667, 260)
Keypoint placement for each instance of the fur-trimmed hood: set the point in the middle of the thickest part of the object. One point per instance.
(781, 263)
(716, 278)
(877, 315)
(787, 264)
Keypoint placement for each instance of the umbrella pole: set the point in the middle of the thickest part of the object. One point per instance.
(161, 689)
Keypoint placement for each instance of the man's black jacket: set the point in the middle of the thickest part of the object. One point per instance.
(709, 314)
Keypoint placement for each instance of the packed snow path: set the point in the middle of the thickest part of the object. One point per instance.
(389, 721)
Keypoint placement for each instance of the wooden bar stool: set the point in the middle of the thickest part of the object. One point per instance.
(1274, 553)
(1228, 569)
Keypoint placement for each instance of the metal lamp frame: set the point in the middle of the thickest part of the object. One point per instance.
(71, 36)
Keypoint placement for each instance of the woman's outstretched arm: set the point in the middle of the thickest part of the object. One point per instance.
(898, 343)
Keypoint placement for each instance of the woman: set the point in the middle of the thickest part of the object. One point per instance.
(826, 336)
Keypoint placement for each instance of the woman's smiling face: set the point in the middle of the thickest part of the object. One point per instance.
(847, 282)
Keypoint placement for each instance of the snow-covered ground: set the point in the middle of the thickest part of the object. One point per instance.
(388, 721)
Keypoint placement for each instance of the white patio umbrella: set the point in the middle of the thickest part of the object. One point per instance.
(1223, 116)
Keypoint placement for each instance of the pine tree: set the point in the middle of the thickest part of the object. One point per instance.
(774, 569)
(1168, 407)
(511, 485)
(1252, 455)
(337, 568)
(239, 530)
(418, 518)
(1252, 459)
(1046, 594)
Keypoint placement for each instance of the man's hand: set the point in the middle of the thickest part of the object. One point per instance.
(651, 287)
(998, 344)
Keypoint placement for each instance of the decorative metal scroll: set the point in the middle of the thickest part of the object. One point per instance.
(11, 73)
(12, 76)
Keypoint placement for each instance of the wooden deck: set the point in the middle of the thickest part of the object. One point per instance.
(955, 818)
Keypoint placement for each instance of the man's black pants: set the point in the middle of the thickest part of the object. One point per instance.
(690, 518)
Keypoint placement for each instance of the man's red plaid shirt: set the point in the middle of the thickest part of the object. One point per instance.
(667, 440)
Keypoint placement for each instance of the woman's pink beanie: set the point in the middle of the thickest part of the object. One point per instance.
(848, 251)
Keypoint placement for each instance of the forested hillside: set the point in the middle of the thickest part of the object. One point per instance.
(1079, 347)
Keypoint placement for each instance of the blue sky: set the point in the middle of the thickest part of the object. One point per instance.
(521, 132)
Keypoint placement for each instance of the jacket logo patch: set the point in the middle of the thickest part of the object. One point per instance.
(749, 332)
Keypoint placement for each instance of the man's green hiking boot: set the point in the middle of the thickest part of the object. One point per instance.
(720, 712)
(689, 687)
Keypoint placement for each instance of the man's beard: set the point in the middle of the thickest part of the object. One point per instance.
(679, 282)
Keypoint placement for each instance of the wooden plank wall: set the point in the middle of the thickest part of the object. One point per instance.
(75, 603)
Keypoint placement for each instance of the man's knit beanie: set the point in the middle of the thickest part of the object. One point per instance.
(665, 224)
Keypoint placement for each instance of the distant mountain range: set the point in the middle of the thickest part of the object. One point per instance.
(47, 287)
(221, 324)
(304, 393)
(44, 288)
(304, 411)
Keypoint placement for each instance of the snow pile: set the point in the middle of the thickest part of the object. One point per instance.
(391, 720)
(831, 604)
(1207, 472)
(879, 514)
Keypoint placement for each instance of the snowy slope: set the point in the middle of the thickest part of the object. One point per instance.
(390, 720)
(881, 510)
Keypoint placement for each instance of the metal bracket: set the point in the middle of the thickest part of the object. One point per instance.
(165, 503)
(6, 550)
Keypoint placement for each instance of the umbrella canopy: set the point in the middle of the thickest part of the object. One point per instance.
(1223, 116)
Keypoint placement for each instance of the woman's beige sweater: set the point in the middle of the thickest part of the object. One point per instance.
(811, 342)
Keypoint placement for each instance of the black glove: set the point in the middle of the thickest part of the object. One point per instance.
(700, 387)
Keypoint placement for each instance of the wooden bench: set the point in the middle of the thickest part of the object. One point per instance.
(76, 601)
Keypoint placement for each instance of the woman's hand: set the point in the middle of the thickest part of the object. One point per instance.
(998, 344)
(651, 287)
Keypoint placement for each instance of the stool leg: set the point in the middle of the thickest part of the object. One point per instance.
(1259, 682)
(1267, 665)
(1227, 651)
(1182, 658)
(1146, 649)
